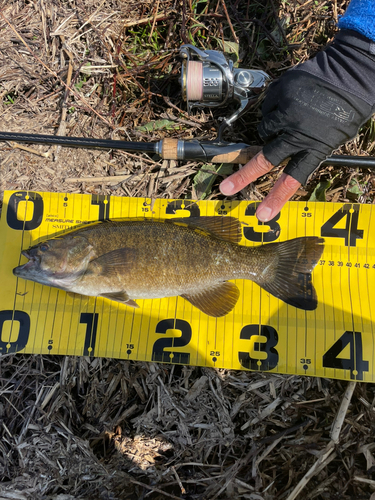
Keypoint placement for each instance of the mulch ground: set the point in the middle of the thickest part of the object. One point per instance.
(79, 428)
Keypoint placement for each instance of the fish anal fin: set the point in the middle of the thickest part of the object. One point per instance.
(122, 297)
(216, 301)
(225, 228)
(291, 281)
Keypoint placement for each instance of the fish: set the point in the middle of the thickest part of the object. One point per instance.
(196, 258)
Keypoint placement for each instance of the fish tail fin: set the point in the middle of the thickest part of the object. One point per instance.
(289, 276)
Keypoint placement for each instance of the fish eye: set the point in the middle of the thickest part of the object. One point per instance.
(44, 247)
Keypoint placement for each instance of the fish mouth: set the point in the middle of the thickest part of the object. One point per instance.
(31, 264)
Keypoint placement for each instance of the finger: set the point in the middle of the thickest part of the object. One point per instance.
(255, 168)
(284, 188)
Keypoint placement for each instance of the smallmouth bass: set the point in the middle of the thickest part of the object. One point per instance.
(191, 257)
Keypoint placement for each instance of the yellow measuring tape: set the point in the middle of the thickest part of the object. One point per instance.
(262, 333)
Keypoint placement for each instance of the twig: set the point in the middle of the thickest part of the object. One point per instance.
(152, 488)
(251, 44)
(48, 95)
(364, 480)
(234, 469)
(312, 471)
(282, 32)
(339, 420)
(106, 179)
(145, 20)
(335, 432)
(91, 17)
(77, 37)
(335, 10)
(191, 118)
(62, 127)
(229, 22)
(183, 24)
(53, 72)
(154, 21)
(15, 145)
(137, 156)
(114, 179)
(183, 491)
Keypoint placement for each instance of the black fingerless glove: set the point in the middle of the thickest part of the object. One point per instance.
(317, 106)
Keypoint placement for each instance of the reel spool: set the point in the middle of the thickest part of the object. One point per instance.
(208, 79)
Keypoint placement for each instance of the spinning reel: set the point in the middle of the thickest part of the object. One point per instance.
(208, 79)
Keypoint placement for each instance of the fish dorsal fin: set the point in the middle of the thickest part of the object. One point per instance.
(122, 297)
(216, 301)
(225, 228)
(119, 260)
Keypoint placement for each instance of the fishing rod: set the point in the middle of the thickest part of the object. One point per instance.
(176, 149)
(208, 79)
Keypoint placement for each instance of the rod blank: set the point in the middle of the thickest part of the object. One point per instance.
(80, 142)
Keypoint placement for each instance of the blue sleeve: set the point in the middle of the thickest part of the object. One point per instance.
(360, 17)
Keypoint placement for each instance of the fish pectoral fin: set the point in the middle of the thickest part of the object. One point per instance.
(122, 297)
(116, 261)
(216, 301)
(225, 228)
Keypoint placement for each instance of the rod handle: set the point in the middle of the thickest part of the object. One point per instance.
(205, 151)
(239, 156)
(169, 149)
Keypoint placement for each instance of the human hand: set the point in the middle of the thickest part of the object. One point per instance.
(283, 189)
(310, 111)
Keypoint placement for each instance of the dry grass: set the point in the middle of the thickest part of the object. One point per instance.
(107, 429)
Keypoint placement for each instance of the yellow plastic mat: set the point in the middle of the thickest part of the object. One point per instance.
(262, 333)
